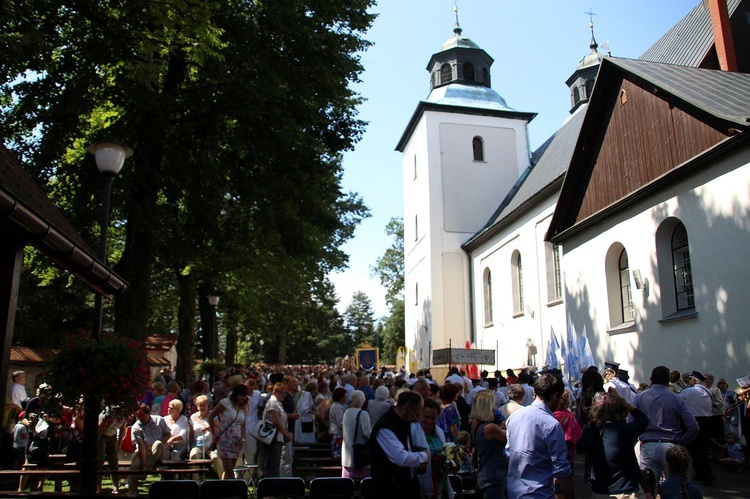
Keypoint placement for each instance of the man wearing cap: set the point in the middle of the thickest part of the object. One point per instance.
(698, 399)
(612, 380)
(670, 421)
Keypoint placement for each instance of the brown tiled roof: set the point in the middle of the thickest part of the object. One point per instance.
(26, 355)
(160, 341)
(155, 359)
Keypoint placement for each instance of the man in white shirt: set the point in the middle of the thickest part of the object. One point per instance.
(395, 460)
(455, 378)
(698, 399)
(17, 391)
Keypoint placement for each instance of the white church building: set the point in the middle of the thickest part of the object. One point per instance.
(631, 220)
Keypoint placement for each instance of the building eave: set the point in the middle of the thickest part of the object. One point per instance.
(424, 106)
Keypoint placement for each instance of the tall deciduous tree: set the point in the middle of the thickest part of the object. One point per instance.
(389, 268)
(237, 112)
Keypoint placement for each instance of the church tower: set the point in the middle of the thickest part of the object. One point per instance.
(463, 149)
(581, 82)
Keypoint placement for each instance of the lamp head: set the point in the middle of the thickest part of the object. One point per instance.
(110, 154)
(213, 300)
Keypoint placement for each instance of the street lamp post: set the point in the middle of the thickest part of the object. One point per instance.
(110, 155)
(261, 349)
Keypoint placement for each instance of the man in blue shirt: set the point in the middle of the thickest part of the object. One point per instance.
(670, 421)
(536, 446)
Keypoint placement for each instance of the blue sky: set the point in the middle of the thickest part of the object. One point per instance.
(536, 46)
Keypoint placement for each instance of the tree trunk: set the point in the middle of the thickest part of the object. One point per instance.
(186, 326)
(132, 308)
(231, 352)
(207, 319)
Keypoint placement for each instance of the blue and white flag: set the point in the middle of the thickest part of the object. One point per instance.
(587, 358)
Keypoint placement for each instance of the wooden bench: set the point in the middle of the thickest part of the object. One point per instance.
(73, 473)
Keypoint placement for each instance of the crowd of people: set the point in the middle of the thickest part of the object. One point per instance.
(517, 435)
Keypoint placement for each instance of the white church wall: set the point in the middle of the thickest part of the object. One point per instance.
(714, 206)
(510, 331)
(447, 198)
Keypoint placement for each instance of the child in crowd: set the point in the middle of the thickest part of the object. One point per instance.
(20, 441)
(735, 455)
(463, 440)
(679, 468)
(569, 424)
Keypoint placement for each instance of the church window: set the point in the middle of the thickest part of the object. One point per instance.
(626, 298)
(486, 76)
(487, 281)
(477, 145)
(576, 95)
(416, 227)
(468, 71)
(554, 274)
(517, 282)
(416, 293)
(619, 297)
(415, 166)
(589, 88)
(446, 73)
(675, 270)
(683, 275)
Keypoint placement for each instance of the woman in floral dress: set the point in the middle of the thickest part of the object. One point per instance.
(230, 437)
(449, 420)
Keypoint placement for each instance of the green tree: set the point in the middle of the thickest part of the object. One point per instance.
(237, 132)
(359, 319)
(390, 332)
(389, 268)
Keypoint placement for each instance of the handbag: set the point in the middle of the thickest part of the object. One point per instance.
(264, 431)
(360, 452)
(306, 426)
(126, 443)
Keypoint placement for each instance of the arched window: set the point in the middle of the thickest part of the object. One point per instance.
(589, 88)
(468, 71)
(576, 95)
(676, 280)
(554, 274)
(416, 293)
(626, 298)
(683, 275)
(487, 297)
(477, 146)
(517, 282)
(446, 74)
(619, 298)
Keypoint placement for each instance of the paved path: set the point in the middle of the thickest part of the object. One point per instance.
(729, 484)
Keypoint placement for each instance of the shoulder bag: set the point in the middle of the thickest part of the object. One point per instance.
(264, 431)
(360, 452)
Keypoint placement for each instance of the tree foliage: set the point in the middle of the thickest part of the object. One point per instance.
(237, 112)
(360, 319)
(390, 267)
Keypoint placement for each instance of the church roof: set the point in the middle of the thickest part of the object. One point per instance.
(457, 94)
(542, 177)
(722, 94)
(689, 41)
(458, 41)
(720, 99)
